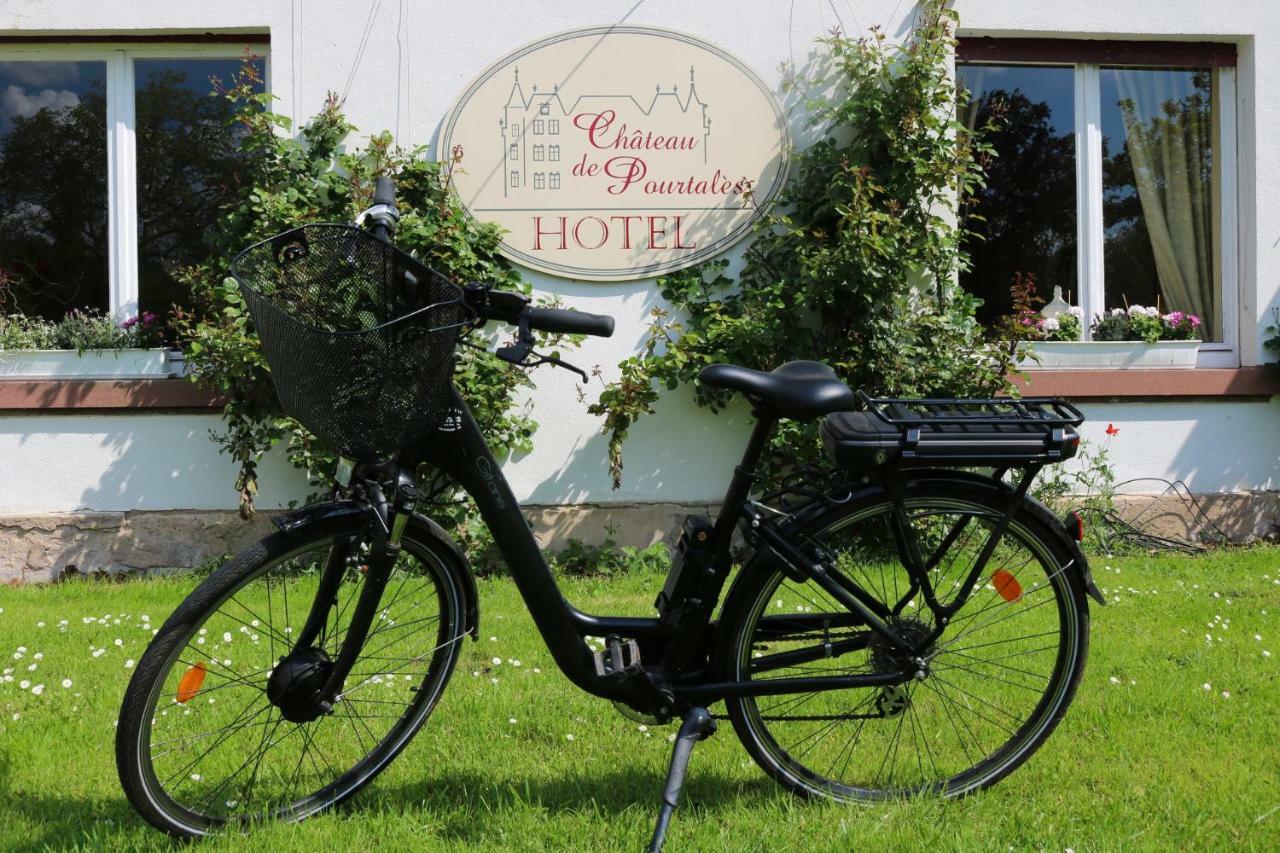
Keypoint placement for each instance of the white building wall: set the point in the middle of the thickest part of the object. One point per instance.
(402, 71)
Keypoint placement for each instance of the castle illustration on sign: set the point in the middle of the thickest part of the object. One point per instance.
(539, 147)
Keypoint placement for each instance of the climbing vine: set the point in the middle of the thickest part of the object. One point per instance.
(287, 181)
(856, 266)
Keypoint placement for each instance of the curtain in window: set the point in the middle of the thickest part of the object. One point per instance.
(1169, 134)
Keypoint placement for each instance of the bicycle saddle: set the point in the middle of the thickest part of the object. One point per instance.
(800, 390)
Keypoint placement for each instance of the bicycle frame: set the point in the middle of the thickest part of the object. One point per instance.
(671, 679)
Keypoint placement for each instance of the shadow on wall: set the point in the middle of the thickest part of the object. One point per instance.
(1212, 447)
(159, 465)
(80, 481)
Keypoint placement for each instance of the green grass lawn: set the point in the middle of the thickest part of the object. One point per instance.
(1173, 740)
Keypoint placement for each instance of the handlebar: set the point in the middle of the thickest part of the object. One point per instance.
(383, 215)
(514, 309)
(570, 322)
(384, 191)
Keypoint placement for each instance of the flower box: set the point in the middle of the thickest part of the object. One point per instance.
(1095, 355)
(157, 363)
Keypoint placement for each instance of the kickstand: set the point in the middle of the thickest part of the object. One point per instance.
(698, 725)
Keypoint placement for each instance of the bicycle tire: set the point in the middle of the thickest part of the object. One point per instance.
(191, 804)
(959, 706)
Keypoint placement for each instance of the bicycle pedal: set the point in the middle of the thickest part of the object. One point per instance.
(619, 659)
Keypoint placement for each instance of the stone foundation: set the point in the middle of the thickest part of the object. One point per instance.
(45, 547)
(1241, 516)
(42, 548)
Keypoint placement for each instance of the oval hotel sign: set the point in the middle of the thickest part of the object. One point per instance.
(617, 153)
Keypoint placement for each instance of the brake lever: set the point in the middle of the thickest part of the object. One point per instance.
(518, 353)
(555, 361)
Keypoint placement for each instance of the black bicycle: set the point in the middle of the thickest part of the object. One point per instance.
(899, 624)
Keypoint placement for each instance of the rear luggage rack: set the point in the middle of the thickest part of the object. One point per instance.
(1033, 412)
(1001, 432)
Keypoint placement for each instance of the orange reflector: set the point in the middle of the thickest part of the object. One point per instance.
(1007, 585)
(191, 682)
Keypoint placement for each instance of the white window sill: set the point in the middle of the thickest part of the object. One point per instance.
(156, 363)
(1127, 355)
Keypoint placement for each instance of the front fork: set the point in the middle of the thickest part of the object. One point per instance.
(388, 518)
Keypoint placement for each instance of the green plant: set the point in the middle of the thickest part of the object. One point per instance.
(1022, 322)
(18, 331)
(79, 330)
(1272, 343)
(856, 267)
(1138, 323)
(608, 559)
(317, 177)
(1086, 485)
(1063, 327)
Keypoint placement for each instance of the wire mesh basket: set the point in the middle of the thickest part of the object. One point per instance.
(359, 335)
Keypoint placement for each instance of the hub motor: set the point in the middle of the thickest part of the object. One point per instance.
(295, 683)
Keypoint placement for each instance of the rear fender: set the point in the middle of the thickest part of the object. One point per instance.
(1072, 547)
(802, 517)
(340, 514)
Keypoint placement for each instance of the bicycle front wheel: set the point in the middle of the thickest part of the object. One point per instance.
(998, 678)
(201, 743)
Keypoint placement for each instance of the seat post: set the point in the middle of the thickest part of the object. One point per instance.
(744, 476)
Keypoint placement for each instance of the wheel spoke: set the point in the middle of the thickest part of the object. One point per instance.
(983, 680)
(240, 758)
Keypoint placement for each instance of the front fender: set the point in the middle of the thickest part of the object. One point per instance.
(422, 529)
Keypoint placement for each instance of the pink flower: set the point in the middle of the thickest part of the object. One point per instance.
(129, 323)
(1195, 321)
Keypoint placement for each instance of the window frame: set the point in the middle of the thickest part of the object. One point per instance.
(121, 120)
(1086, 58)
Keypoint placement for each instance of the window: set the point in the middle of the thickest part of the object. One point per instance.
(515, 129)
(113, 166)
(539, 152)
(555, 180)
(539, 125)
(544, 110)
(539, 181)
(514, 151)
(553, 153)
(55, 243)
(515, 178)
(1113, 177)
(188, 165)
(555, 126)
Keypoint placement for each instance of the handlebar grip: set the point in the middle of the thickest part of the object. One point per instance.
(384, 191)
(570, 322)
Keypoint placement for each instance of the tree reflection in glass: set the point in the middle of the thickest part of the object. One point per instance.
(1024, 220)
(53, 187)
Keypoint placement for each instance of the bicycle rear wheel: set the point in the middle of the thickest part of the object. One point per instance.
(999, 678)
(201, 744)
